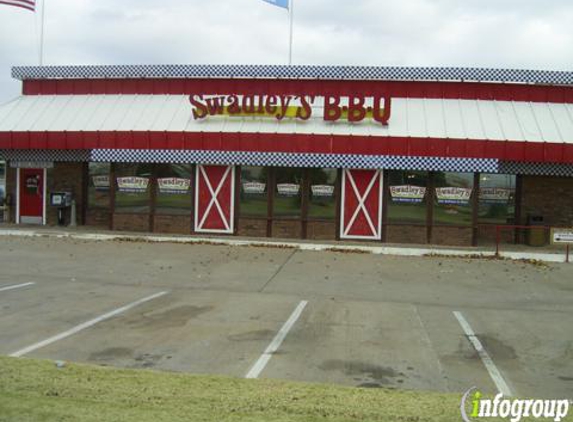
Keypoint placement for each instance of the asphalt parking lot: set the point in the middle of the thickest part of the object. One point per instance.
(348, 318)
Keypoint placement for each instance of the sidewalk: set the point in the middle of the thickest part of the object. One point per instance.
(87, 233)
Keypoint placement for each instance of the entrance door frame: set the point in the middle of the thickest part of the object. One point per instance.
(45, 196)
(376, 178)
(214, 191)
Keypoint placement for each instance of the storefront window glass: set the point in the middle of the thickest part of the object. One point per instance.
(174, 193)
(98, 185)
(322, 203)
(408, 197)
(288, 192)
(453, 195)
(497, 199)
(254, 192)
(2, 188)
(2, 182)
(132, 188)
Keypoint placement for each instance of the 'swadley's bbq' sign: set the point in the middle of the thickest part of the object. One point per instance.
(353, 108)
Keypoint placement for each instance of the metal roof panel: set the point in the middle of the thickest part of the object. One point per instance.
(528, 121)
(433, 118)
(508, 121)
(472, 122)
(491, 125)
(546, 122)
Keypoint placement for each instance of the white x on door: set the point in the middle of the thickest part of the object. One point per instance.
(214, 199)
(361, 213)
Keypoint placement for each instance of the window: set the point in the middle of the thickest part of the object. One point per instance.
(132, 188)
(98, 185)
(174, 194)
(496, 199)
(2, 182)
(322, 204)
(453, 195)
(254, 192)
(288, 192)
(407, 200)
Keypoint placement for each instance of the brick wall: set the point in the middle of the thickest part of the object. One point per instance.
(65, 177)
(131, 222)
(98, 217)
(174, 224)
(321, 230)
(406, 234)
(487, 234)
(252, 227)
(551, 197)
(287, 229)
(452, 236)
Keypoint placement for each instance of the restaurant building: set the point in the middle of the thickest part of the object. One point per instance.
(399, 155)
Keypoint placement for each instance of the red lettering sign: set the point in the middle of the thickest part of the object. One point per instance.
(353, 109)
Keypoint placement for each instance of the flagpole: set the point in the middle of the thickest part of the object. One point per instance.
(291, 13)
(42, 33)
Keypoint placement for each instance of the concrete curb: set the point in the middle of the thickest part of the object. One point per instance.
(375, 250)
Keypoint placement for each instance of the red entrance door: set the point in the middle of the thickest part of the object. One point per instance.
(215, 199)
(31, 196)
(361, 213)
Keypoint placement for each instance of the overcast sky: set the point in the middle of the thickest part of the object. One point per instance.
(535, 34)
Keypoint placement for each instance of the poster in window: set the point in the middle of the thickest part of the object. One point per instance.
(254, 188)
(453, 196)
(288, 189)
(408, 193)
(33, 184)
(132, 184)
(174, 185)
(495, 195)
(322, 191)
(101, 183)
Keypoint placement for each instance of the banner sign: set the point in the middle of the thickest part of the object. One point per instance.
(254, 187)
(174, 185)
(495, 195)
(408, 193)
(288, 189)
(323, 191)
(101, 183)
(454, 196)
(561, 236)
(353, 108)
(32, 164)
(132, 184)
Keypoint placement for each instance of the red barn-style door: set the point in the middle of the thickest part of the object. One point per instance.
(361, 213)
(215, 199)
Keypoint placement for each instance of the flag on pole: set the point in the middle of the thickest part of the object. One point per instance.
(279, 3)
(25, 4)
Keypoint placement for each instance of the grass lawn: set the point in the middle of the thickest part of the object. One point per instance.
(35, 390)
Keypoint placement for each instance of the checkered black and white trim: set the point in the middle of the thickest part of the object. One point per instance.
(536, 169)
(296, 72)
(295, 160)
(39, 155)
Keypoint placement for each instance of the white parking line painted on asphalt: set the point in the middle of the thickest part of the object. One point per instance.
(84, 325)
(259, 366)
(16, 286)
(493, 371)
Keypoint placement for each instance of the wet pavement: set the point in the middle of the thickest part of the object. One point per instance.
(371, 321)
